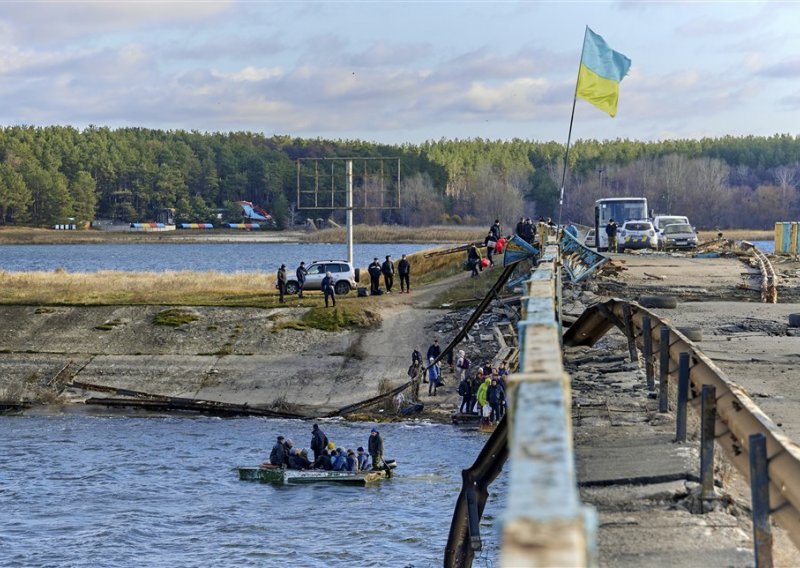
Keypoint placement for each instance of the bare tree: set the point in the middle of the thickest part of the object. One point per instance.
(420, 203)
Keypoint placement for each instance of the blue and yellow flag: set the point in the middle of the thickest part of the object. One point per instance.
(601, 71)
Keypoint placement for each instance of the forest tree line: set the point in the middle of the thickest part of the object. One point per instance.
(52, 174)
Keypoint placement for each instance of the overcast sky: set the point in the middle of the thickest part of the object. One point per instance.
(399, 72)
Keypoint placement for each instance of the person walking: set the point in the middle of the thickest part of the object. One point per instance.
(374, 270)
(611, 231)
(281, 284)
(404, 270)
(387, 269)
(494, 230)
(300, 273)
(491, 242)
(375, 448)
(474, 260)
(319, 441)
(327, 289)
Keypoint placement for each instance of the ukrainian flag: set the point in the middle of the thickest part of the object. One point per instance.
(600, 73)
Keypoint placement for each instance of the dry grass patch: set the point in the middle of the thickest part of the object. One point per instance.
(738, 235)
(350, 316)
(138, 288)
(175, 317)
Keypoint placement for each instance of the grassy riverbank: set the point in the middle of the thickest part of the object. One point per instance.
(361, 234)
(184, 288)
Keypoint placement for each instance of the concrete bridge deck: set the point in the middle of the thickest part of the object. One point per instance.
(628, 466)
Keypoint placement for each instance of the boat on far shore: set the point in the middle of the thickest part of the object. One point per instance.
(281, 476)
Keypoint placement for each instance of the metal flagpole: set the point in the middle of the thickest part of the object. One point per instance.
(569, 135)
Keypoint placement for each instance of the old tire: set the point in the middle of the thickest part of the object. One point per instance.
(692, 333)
(292, 287)
(794, 320)
(341, 288)
(666, 302)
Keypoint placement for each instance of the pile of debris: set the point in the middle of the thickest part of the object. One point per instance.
(481, 343)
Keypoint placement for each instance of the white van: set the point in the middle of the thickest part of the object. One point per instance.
(661, 221)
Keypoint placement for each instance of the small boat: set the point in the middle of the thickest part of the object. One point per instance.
(273, 474)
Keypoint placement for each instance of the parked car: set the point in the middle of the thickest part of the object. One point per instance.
(345, 277)
(678, 236)
(590, 240)
(661, 221)
(637, 235)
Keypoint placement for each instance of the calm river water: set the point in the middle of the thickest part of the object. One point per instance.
(159, 257)
(99, 491)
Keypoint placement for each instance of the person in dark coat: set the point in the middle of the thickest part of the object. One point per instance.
(404, 270)
(319, 441)
(300, 273)
(387, 269)
(327, 289)
(493, 397)
(374, 270)
(323, 461)
(521, 227)
(474, 260)
(494, 230)
(363, 459)
(339, 460)
(434, 350)
(298, 461)
(278, 454)
(352, 461)
(375, 449)
(281, 283)
(465, 392)
(611, 231)
(288, 446)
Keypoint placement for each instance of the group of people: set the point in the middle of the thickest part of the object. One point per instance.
(386, 269)
(482, 390)
(326, 456)
(483, 393)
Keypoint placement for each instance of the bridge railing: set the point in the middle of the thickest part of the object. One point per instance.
(545, 523)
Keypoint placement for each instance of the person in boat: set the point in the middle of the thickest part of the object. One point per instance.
(375, 448)
(298, 461)
(323, 461)
(278, 454)
(339, 460)
(288, 445)
(319, 441)
(352, 461)
(363, 459)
